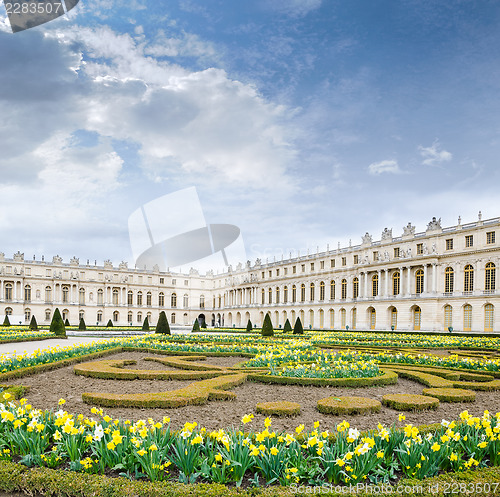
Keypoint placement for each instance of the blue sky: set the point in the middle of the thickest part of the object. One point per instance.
(303, 122)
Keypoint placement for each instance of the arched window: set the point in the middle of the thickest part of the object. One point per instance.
(161, 299)
(303, 293)
(321, 319)
(8, 291)
(100, 296)
(322, 291)
(65, 314)
(448, 317)
(294, 294)
(81, 296)
(374, 285)
(173, 300)
(65, 294)
(394, 318)
(312, 292)
(185, 301)
(130, 297)
(262, 296)
(47, 314)
(219, 301)
(332, 289)
(467, 317)
(419, 282)
(116, 316)
(355, 288)
(139, 298)
(139, 317)
(342, 318)
(373, 319)
(150, 317)
(285, 295)
(277, 294)
(270, 295)
(468, 278)
(343, 289)
(149, 299)
(27, 293)
(115, 296)
(417, 317)
(8, 311)
(311, 318)
(130, 317)
(99, 316)
(81, 315)
(354, 316)
(396, 283)
(202, 301)
(488, 317)
(332, 319)
(172, 318)
(48, 294)
(27, 314)
(449, 279)
(489, 277)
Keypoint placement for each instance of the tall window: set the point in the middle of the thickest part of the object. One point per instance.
(185, 301)
(294, 294)
(81, 296)
(417, 317)
(449, 244)
(173, 300)
(149, 299)
(448, 316)
(303, 292)
(449, 277)
(354, 315)
(467, 317)
(27, 293)
(27, 314)
(130, 317)
(172, 318)
(139, 317)
(469, 241)
(468, 278)
(115, 296)
(373, 319)
(8, 291)
(322, 291)
(47, 314)
(263, 296)
(489, 277)
(202, 301)
(130, 298)
(285, 295)
(332, 290)
(65, 294)
(342, 318)
(277, 294)
(488, 317)
(116, 316)
(8, 311)
(419, 281)
(100, 296)
(312, 291)
(490, 237)
(355, 288)
(139, 298)
(394, 318)
(99, 316)
(375, 285)
(343, 289)
(332, 319)
(396, 283)
(270, 295)
(48, 294)
(161, 299)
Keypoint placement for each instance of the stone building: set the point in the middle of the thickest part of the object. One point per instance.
(433, 280)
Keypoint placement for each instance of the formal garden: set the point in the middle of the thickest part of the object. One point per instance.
(283, 413)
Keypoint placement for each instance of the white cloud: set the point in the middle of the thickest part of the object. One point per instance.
(433, 155)
(294, 8)
(385, 166)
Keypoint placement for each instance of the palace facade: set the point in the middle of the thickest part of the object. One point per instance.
(438, 279)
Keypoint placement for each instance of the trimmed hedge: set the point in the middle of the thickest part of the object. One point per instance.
(17, 391)
(348, 405)
(409, 402)
(450, 394)
(278, 408)
(195, 394)
(387, 378)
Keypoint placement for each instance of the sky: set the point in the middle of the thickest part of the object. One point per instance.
(302, 122)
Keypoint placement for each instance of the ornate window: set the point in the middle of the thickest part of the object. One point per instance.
(488, 317)
(449, 277)
(294, 293)
(448, 316)
(202, 301)
(277, 294)
(161, 299)
(115, 296)
(172, 318)
(342, 319)
(285, 295)
(48, 294)
(139, 317)
(8, 291)
(173, 300)
(130, 317)
(270, 295)
(130, 298)
(417, 317)
(116, 316)
(149, 299)
(81, 296)
(27, 293)
(419, 281)
(332, 290)
(355, 288)
(27, 314)
(467, 317)
(99, 316)
(303, 292)
(489, 277)
(139, 298)
(468, 278)
(312, 292)
(81, 315)
(343, 289)
(65, 294)
(374, 285)
(100, 296)
(47, 314)
(185, 301)
(322, 291)
(396, 283)
(263, 296)
(373, 319)
(394, 318)
(332, 319)
(8, 311)
(354, 315)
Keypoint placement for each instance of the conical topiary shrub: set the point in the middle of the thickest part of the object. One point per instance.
(110, 324)
(267, 327)
(288, 327)
(196, 325)
(249, 325)
(162, 326)
(145, 324)
(203, 324)
(66, 322)
(57, 324)
(297, 328)
(6, 321)
(82, 326)
(33, 323)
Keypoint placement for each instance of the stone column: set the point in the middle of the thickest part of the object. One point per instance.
(434, 278)
(386, 283)
(424, 290)
(409, 280)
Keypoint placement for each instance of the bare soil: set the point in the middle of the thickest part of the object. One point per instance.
(47, 388)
